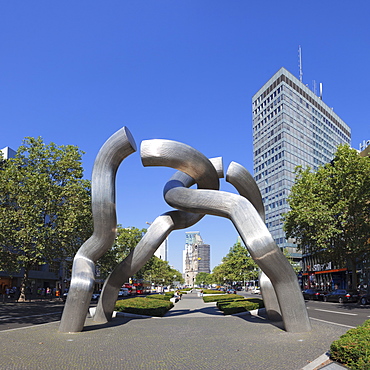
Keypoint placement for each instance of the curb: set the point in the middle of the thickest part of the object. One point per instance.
(315, 363)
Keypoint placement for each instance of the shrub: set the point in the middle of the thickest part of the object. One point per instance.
(225, 302)
(157, 296)
(237, 306)
(353, 348)
(163, 297)
(144, 306)
(222, 297)
(211, 291)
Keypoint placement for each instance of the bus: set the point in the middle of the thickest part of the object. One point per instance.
(142, 287)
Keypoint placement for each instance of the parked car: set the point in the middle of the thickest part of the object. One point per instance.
(231, 291)
(94, 297)
(342, 296)
(365, 299)
(320, 294)
(123, 292)
(309, 293)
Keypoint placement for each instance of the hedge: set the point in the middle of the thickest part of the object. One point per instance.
(240, 305)
(164, 297)
(353, 348)
(222, 297)
(211, 291)
(144, 306)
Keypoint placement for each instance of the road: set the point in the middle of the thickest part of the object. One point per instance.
(347, 314)
(17, 315)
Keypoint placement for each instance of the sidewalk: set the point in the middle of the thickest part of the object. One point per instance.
(193, 335)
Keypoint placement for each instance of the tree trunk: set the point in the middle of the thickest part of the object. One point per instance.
(354, 280)
(22, 297)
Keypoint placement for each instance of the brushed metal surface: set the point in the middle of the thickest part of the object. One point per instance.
(175, 155)
(259, 242)
(120, 145)
(247, 187)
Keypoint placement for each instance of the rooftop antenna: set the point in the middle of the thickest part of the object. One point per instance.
(300, 63)
(321, 90)
(314, 86)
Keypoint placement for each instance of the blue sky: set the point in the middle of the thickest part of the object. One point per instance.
(74, 72)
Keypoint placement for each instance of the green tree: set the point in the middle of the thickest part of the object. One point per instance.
(126, 240)
(237, 265)
(330, 210)
(203, 278)
(159, 272)
(45, 206)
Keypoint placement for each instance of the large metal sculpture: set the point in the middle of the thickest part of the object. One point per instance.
(205, 175)
(245, 211)
(253, 232)
(116, 148)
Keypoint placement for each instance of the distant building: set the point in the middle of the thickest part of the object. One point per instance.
(196, 257)
(162, 251)
(8, 153)
(292, 126)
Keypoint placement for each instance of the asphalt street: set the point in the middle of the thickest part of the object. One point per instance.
(193, 335)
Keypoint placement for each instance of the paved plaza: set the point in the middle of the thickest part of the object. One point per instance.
(193, 335)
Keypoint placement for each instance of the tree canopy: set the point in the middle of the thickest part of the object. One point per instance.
(45, 210)
(155, 270)
(237, 265)
(126, 240)
(159, 272)
(330, 209)
(204, 278)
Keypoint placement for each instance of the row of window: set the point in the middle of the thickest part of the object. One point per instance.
(269, 161)
(266, 101)
(326, 117)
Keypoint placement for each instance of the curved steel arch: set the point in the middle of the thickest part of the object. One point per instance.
(197, 168)
(257, 239)
(247, 187)
(205, 174)
(119, 146)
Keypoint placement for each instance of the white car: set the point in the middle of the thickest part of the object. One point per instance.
(256, 290)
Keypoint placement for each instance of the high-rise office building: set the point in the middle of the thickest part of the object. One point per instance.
(8, 152)
(292, 126)
(196, 257)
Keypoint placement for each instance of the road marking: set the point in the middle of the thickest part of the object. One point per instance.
(27, 317)
(342, 313)
(333, 323)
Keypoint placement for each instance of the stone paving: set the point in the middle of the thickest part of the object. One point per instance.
(193, 335)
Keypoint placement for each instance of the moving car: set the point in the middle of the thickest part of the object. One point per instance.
(256, 290)
(342, 296)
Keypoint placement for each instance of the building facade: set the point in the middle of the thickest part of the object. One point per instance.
(196, 257)
(162, 251)
(292, 126)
